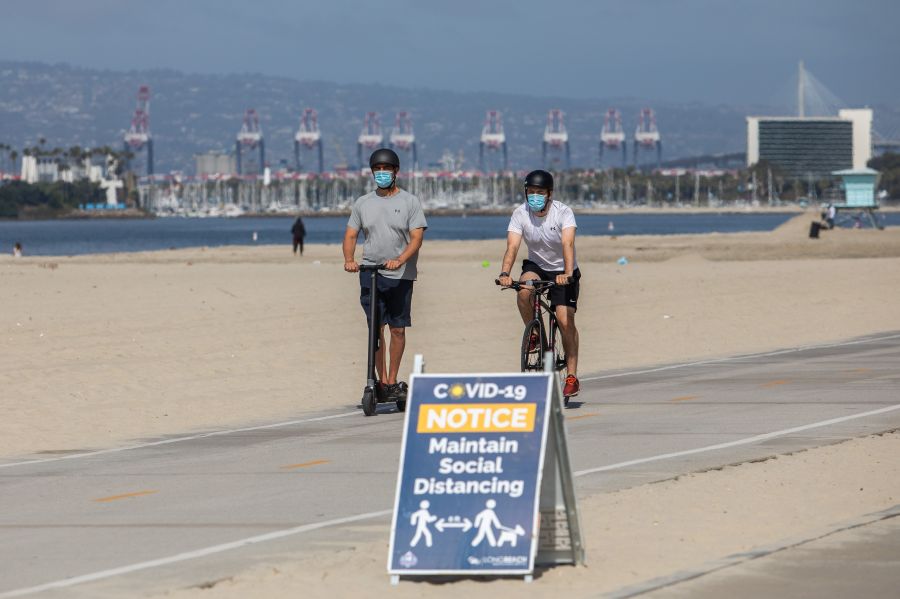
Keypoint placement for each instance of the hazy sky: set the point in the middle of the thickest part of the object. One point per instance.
(707, 50)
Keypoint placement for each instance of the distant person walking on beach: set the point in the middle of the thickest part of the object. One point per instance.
(17, 250)
(393, 223)
(299, 232)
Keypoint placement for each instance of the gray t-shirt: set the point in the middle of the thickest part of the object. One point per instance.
(386, 223)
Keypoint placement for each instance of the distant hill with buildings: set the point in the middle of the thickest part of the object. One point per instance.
(196, 113)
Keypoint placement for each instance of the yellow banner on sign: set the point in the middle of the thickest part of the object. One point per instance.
(476, 418)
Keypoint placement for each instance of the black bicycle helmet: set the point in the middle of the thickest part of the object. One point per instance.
(384, 156)
(539, 178)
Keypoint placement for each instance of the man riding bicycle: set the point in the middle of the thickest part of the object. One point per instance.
(394, 224)
(548, 228)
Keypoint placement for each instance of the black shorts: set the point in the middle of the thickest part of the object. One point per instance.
(394, 299)
(559, 296)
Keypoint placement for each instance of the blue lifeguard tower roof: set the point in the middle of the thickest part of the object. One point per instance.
(859, 187)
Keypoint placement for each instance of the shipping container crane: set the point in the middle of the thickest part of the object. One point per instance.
(556, 136)
(250, 136)
(403, 138)
(612, 136)
(308, 136)
(138, 136)
(370, 137)
(646, 135)
(492, 138)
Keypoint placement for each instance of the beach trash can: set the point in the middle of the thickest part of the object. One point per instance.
(814, 229)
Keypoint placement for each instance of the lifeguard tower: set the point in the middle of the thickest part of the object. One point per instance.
(859, 194)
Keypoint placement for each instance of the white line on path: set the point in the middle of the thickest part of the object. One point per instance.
(188, 555)
(743, 357)
(176, 440)
(744, 441)
(291, 422)
(278, 534)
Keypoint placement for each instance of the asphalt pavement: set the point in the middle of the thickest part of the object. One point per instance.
(184, 510)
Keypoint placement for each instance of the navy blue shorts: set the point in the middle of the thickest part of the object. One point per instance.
(394, 299)
(566, 295)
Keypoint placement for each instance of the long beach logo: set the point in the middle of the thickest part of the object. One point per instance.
(408, 559)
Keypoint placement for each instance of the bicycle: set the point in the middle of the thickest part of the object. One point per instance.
(373, 393)
(536, 341)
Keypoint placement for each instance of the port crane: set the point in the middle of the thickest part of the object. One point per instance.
(138, 136)
(612, 136)
(492, 138)
(556, 136)
(250, 136)
(308, 136)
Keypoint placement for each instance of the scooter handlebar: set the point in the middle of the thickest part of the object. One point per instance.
(370, 267)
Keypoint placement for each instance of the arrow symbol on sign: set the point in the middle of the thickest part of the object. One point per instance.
(465, 524)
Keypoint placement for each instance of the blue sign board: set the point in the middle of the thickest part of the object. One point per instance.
(470, 474)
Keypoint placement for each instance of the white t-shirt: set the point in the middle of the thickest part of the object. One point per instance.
(543, 235)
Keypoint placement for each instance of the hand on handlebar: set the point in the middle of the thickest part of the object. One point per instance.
(504, 281)
(351, 266)
(564, 279)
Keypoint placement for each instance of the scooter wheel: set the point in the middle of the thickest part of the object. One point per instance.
(566, 401)
(369, 402)
(401, 405)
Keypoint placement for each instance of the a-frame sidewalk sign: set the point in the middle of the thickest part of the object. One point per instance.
(485, 485)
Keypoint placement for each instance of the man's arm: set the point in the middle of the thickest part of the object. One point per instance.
(415, 243)
(349, 247)
(513, 241)
(568, 250)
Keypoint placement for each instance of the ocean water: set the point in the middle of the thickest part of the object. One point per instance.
(75, 237)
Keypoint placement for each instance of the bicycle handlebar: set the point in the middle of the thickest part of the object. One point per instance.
(533, 284)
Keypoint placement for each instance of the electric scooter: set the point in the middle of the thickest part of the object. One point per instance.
(373, 393)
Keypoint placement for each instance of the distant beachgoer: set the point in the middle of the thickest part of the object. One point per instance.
(17, 250)
(830, 215)
(299, 232)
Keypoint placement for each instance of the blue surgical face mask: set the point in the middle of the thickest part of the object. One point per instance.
(384, 179)
(536, 201)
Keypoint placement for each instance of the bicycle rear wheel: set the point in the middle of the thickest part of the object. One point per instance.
(533, 344)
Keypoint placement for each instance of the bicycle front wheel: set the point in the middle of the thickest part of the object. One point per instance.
(533, 344)
(560, 364)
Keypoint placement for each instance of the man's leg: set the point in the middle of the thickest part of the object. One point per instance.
(301, 246)
(565, 316)
(398, 344)
(524, 297)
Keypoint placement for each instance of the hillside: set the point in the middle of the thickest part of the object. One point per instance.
(192, 113)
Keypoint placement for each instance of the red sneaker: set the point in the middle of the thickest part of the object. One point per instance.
(572, 386)
(534, 342)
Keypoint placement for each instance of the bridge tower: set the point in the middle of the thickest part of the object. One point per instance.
(250, 136)
(556, 136)
(612, 136)
(138, 136)
(308, 136)
(370, 137)
(403, 138)
(492, 138)
(646, 135)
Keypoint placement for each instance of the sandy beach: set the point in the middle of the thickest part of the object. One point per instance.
(107, 348)
(102, 350)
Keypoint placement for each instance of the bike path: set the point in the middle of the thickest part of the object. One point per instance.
(188, 511)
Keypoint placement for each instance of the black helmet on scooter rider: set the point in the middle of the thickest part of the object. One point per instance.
(539, 178)
(384, 156)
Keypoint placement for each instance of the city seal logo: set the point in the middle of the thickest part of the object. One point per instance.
(408, 559)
